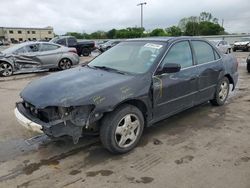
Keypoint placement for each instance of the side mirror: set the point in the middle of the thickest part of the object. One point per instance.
(170, 68)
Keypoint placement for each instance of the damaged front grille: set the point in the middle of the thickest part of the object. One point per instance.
(46, 115)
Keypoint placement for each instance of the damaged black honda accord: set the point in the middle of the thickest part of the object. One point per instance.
(128, 88)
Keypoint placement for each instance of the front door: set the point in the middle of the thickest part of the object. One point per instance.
(174, 92)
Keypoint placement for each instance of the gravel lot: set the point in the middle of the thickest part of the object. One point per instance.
(202, 147)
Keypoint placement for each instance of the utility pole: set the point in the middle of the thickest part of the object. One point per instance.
(141, 4)
(222, 22)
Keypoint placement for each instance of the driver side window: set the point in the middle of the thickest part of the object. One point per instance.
(179, 53)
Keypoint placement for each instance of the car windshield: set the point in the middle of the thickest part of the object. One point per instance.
(12, 49)
(54, 40)
(131, 57)
(108, 43)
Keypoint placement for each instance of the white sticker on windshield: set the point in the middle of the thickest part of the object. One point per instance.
(151, 45)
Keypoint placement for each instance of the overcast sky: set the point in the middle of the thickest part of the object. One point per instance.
(92, 15)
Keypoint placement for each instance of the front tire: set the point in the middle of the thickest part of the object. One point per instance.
(221, 93)
(6, 69)
(121, 129)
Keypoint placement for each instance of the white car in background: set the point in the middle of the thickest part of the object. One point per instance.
(243, 44)
(222, 45)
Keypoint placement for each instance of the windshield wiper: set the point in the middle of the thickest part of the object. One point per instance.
(109, 69)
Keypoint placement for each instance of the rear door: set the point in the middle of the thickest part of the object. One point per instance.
(209, 66)
(49, 55)
(175, 91)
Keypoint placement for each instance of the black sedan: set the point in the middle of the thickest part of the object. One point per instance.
(128, 88)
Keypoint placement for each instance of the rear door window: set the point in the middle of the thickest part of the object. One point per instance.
(48, 47)
(203, 51)
(32, 48)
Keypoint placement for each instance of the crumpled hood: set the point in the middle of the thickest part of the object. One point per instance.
(68, 88)
(241, 43)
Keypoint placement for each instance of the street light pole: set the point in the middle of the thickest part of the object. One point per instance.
(141, 4)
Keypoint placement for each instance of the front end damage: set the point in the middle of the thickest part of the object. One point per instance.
(58, 121)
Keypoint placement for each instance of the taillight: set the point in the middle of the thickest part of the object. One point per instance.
(73, 51)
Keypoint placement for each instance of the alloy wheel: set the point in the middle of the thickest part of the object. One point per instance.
(224, 87)
(6, 69)
(65, 64)
(127, 131)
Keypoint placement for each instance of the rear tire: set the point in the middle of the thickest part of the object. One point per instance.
(221, 93)
(121, 129)
(64, 64)
(85, 52)
(234, 50)
(248, 67)
(6, 69)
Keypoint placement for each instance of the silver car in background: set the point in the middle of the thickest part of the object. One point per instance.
(36, 56)
(222, 45)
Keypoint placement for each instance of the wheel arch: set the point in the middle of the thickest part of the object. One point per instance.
(10, 63)
(64, 57)
(230, 79)
(141, 105)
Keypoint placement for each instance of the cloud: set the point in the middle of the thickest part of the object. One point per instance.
(89, 15)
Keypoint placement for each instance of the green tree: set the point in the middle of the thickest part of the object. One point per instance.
(75, 34)
(111, 33)
(210, 28)
(158, 32)
(173, 31)
(205, 16)
(205, 24)
(98, 35)
(192, 29)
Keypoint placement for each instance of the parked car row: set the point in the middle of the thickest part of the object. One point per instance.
(36, 56)
(222, 45)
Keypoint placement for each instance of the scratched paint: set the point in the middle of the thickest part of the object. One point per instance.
(160, 85)
(126, 92)
(98, 99)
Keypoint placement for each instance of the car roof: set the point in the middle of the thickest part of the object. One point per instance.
(165, 39)
(216, 40)
(63, 37)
